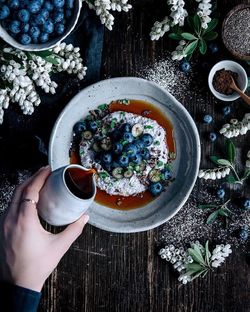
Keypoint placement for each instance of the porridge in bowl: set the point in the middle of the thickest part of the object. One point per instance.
(130, 144)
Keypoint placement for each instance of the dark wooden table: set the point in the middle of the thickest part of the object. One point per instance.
(108, 272)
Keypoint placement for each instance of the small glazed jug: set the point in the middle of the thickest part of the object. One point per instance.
(67, 194)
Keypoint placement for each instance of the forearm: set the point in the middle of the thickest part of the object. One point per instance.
(18, 299)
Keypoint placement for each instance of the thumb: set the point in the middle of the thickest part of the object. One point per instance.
(66, 238)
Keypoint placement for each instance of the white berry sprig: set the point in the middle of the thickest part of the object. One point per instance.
(236, 128)
(195, 261)
(204, 11)
(226, 166)
(21, 72)
(103, 8)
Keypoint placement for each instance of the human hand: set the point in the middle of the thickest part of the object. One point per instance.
(28, 253)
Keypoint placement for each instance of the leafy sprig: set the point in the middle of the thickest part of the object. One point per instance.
(197, 37)
(221, 210)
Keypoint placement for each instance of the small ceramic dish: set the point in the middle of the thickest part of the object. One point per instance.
(242, 81)
(48, 45)
(187, 146)
(230, 14)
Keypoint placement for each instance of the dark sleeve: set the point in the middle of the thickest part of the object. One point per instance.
(18, 299)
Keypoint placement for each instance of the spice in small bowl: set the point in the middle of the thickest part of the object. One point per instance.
(219, 80)
(222, 81)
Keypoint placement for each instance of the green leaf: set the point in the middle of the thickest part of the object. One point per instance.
(223, 213)
(224, 162)
(210, 36)
(175, 36)
(231, 151)
(190, 21)
(191, 47)
(212, 217)
(52, 60)
(42, 53)
(208, 253)
(188, 36)
(211, 25)
(202, 46)
(193, 268)
(231, 179)
(214, 159)
(9, 56)
(204, 272)
(207, 206)
(197, 23)
(196, 255)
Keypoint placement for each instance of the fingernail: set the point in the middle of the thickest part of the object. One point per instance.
(46, 167)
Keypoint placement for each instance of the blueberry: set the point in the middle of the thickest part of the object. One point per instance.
(139, 144)
(246, 204)
(126, 127)
(166, 174)
(147, 139)
(213, 47)
(137, 159)
(68, 13)
(40, 20)
(212, 136)
(58, 3)
(79, 127)
(185, 67)
(92, 126)
(24, 15)
(123, 161)
(127, 136)
(69, 4)
(25, 39)
(4, 12)
(226, 110)
(59, 28)
(44, 37)
(25, 27)
(130, 149)
(155, 188)
(13, 4)
(34, 32)
(221, 193)
(117, 148)
(244, 233)
(207, 119)
(48, 27)
(145, 154)
(34, 6)
(106, 158)
(15, 27)
(45, 13)
(58, 17)
(48, 6)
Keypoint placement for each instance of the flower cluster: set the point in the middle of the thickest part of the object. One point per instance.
(204, 11)
(213, 174)
(176, 17)
(179, 52)
(21, 72)
(103, 8)
(235, 127)
(248, 160)
(196, 261)
(219, 254)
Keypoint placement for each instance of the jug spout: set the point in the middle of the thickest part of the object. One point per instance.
(80, 181)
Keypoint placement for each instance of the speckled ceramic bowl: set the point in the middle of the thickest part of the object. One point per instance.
(50, 44)
(185, 167)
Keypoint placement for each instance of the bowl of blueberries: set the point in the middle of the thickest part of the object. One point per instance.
(37, 25)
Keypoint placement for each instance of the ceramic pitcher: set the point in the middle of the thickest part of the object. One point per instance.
(57, 204)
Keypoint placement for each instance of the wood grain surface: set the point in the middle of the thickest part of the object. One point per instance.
(108, 272)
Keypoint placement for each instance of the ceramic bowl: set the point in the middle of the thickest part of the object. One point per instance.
(242, 79)
(50, 44)
(185, 166)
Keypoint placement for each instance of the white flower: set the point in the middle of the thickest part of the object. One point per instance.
(160, 28)
(213, 174)
(236, 128)
(219, 254)
(204, 12)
